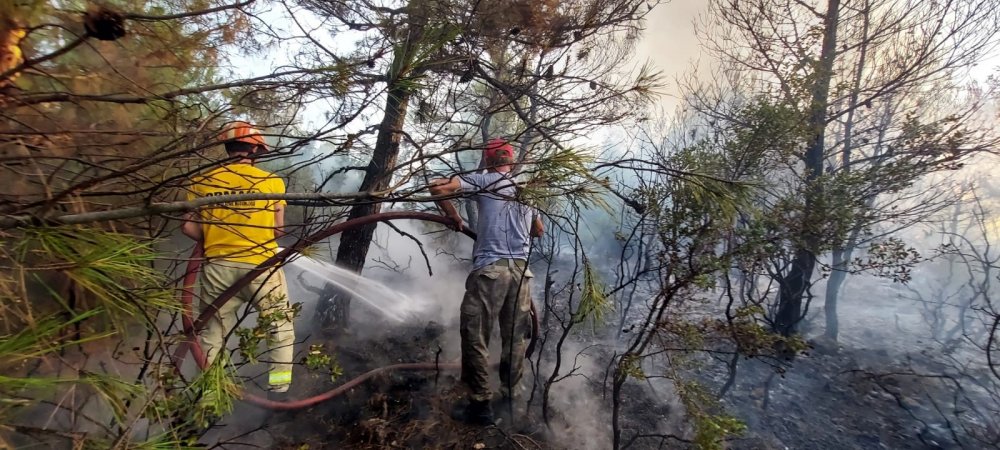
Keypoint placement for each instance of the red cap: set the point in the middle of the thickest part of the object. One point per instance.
(497, 148)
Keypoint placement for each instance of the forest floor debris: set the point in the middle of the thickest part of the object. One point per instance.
(832, 400)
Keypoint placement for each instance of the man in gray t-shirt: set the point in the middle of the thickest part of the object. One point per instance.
(499, 285)
(504, 225)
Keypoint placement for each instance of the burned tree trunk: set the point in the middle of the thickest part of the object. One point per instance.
(794, 284)
(354, 243)
(842, 256)
(353, 250)
(793, 287)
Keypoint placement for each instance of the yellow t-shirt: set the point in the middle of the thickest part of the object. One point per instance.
(238, 231)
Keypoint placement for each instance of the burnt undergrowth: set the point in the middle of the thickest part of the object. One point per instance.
(855, 397)
(401, 409)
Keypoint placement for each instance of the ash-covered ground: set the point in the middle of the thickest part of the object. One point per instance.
(844, 397)
(401, 409)
(885, 385)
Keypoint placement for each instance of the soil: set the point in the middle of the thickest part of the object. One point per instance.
(832, 398)
(839, 399)
(880, 388)
(394, 410)
(871, 392)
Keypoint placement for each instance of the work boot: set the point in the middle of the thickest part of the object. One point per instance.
(278, 393)
(504, 408)
(475, 413)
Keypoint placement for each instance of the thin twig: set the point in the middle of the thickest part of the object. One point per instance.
(420, 245)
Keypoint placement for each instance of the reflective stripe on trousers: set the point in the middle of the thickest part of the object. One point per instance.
(279, 377)
(268, 294)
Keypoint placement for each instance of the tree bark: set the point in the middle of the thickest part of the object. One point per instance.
(354, 243)
(793, 285)
(833, 285)
(842, 256)
(353, 250)
(616, 404)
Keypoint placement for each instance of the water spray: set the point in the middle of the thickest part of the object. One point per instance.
(190, 325)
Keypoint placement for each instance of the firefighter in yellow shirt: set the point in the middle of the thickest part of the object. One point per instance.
(237, 236)
(10, 51)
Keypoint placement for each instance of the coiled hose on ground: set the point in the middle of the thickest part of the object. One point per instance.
(190, 324)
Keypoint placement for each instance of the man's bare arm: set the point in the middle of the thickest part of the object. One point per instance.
(279, 220)
(191, 227)
(445, 187)
(537, 228)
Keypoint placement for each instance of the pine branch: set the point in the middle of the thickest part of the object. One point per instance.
(155, 208)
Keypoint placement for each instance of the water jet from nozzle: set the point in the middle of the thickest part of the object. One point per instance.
(393, 304)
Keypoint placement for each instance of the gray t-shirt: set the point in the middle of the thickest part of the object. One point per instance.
(504, 224)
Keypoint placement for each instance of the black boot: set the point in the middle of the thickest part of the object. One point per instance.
(475, 413)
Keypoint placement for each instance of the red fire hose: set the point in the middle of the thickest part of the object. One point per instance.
(190, 325)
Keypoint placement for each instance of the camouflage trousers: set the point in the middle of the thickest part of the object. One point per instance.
(268, 295)
(498, 291)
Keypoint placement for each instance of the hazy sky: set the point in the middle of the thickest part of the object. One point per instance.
(669, 42)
